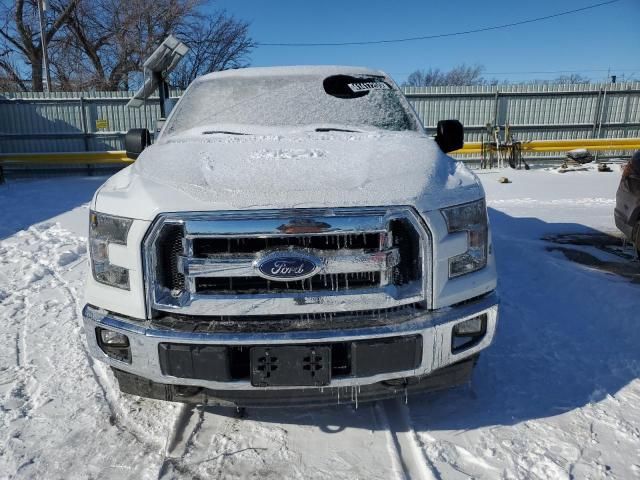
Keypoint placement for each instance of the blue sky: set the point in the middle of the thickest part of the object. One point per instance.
(589, 42)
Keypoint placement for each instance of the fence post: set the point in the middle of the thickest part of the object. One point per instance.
(85, 133)
(83, 119)
(627, 105)
(596, 114)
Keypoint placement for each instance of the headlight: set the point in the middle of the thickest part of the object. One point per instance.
(470, 218)
(103, 230)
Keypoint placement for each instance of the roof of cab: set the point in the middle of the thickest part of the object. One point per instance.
(291, 70)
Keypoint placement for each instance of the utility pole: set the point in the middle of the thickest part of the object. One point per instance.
(42, 7)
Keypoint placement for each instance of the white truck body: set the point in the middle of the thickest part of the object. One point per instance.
(380, 199)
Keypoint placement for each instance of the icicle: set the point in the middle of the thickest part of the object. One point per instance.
(406, 395)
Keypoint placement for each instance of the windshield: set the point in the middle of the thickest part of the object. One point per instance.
(351, 101)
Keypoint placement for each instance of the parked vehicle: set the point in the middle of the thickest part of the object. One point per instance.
(292, 237)
(627, 211)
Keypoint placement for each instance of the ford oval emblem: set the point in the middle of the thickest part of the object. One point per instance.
(287, 266)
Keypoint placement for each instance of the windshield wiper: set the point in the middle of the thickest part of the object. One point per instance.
(330, 129)
(223, 132)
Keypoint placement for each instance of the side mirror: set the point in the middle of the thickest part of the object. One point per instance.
(450, 135)
(135, 141)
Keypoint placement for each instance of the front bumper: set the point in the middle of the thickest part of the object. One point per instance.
(435, 328)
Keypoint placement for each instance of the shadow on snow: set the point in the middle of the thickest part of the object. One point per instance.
(567, 336)
(25, 202)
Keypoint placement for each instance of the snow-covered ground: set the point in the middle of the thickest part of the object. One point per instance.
(556, 396)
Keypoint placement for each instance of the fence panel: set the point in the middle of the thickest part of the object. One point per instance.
(34, 122)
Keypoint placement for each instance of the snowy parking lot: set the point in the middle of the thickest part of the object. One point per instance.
(556, 396)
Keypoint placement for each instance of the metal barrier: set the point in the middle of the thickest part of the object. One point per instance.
(119, 156)
(66, 158)
(552, 146)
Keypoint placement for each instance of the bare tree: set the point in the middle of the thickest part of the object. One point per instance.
(107, 40)
(572, 78)
(102, 44)
(425, 78)
(20, 36)
(217, 42)
(465, 75)
(459, 75)
(112, 38)
(10, 73)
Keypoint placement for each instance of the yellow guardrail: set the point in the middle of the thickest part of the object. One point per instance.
(66, 158)
(595, 144)
(120, 157)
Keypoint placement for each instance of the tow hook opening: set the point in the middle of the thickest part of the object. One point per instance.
(468, 333)
(114, 344)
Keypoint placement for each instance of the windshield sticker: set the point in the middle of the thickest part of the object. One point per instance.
(366, 86)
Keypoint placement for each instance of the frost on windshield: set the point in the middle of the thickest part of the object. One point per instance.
(292, 101)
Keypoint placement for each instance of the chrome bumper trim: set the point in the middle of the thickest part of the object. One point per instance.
(282, 222)
(435, 328)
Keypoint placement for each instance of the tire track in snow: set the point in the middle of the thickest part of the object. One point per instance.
(72, 299)
(118, 418)
(180, 439)
(183, 454)
(409, 450)
(42, 306)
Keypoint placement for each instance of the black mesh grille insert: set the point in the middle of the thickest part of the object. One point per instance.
(256, 285)
(203, 247)
(407, 240)
(169, 246)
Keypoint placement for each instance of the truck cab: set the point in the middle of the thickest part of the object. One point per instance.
(293, 236)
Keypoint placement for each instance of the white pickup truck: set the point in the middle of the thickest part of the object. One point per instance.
(292, 237)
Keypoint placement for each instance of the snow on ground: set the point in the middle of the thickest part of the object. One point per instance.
(556, 396)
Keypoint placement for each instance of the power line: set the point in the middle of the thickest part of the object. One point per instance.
(439, 35)
(612, 69)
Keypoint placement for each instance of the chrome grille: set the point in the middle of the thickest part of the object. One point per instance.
(204, 264)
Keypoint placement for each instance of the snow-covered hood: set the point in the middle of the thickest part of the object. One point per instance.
(301, 170)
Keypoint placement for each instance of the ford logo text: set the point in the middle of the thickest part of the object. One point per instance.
(287, 266)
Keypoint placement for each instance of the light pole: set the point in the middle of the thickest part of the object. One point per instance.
(42, 7)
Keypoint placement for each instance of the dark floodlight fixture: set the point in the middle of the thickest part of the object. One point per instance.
(161, 62)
